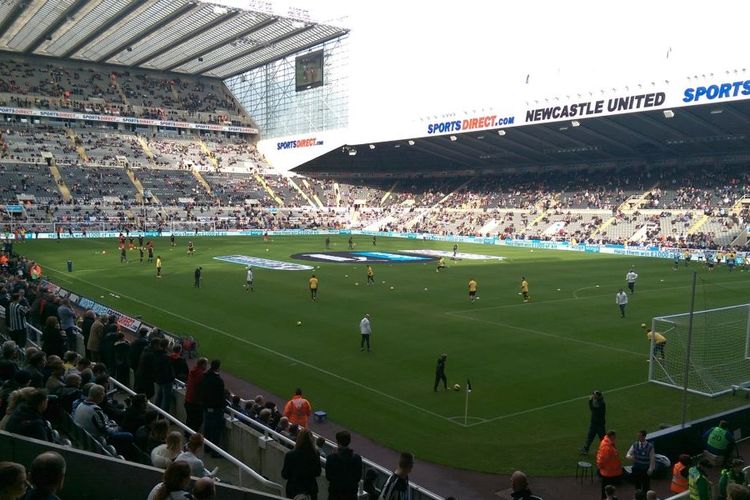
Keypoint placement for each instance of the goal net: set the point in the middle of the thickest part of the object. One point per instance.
(719, 350)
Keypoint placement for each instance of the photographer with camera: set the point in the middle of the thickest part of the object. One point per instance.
(597, 423)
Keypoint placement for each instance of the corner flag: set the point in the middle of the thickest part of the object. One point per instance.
(468, 385)
(466, 407)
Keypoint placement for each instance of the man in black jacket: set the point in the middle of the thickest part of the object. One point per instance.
(343, 470)
(163, 376)
(212, 394)
(597, 423)
(137, 347)
(146, 372)
(27, 418)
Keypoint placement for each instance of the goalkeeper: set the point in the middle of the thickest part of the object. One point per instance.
(660, 341)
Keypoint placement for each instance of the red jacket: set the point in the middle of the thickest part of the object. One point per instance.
(193, 381)
(607, 459)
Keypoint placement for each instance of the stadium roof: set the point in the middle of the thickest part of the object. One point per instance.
(694, 133)
(186, 36)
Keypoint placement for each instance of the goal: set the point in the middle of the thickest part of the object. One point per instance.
(718, 351)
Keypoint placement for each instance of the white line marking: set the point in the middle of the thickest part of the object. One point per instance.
(552, 405)
(269, 350)
(551, 335)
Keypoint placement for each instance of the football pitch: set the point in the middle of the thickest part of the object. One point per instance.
(531, 366)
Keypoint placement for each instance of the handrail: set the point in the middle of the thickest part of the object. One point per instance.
(265, 482)
(283, 439)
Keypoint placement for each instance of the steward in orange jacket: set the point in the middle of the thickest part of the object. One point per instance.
(298, 409)
(608, 461)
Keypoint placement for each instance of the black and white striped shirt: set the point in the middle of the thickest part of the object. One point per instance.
(18, 312)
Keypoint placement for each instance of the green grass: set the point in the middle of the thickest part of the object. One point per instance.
(531, 365)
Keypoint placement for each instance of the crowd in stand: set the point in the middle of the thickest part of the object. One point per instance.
(82, 87)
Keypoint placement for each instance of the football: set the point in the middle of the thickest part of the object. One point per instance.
(457, 387)
(299, 323)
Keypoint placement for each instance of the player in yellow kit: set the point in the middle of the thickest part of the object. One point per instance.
(525, 289)
(158, 266)
(472, 290)
(313, 287)
(660, 341)
(370, 276)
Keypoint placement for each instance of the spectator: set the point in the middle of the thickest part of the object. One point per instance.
(680, 474)
(213, 396)
(157, 436)
(644, 461)
(719, 441)
(46, 475)
(146, 372)
(8, 360)
(175, 484)
(67, 318)
(204, 489)
(163, 376)
(608, 461)
(12, 481)
(651, 495)
(298, 409)
(121, 358)
(520, 486)
(17, 313)
(53, 339)
(166, 453)
(14, 401)
(55, 381)
(396, 486)
(137, 347)
(192, 455)
(368, 485)
(35, 362)
(698, 483)
(88, 320)
(193, 404)
(179, 365)
(90, 416)
(70, 392)
(343, 470)
(27, 419)
(302, 467)
(731, 475)
(135, 414)
(95, 339)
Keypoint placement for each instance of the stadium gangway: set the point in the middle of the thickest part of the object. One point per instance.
(243, 468)
(418, 492)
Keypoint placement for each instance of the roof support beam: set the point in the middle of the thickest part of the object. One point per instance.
(224, 41)
(70, 11)
(14, 14)
(286, 54)
(185, 9)
(187, 36)
(254, 49)
(119, 16)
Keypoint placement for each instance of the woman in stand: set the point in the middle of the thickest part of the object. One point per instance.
(302, 467)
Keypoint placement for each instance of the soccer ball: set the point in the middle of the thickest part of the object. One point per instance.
(299, 323)
(392, 288)
(266, 249)
(103, 252)
(356, 284)
(457, 387)
(477, 298)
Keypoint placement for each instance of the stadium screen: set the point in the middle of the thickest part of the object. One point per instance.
(309, 71)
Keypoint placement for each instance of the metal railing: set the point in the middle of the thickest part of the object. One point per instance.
(418, 492)
(243, 468)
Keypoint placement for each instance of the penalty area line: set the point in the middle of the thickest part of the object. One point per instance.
(551, 405)
(271, 351)
(546, 334)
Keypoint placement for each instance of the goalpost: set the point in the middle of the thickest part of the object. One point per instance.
(712, 361)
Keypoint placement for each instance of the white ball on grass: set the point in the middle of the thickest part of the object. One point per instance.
(356, 284)
(392, 288)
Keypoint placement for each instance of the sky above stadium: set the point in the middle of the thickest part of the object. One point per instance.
(413, 59)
